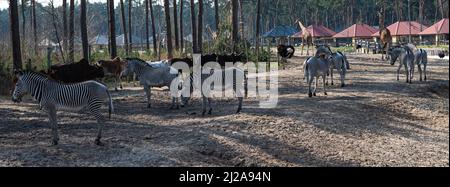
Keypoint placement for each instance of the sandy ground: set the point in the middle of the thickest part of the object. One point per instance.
(375, 121)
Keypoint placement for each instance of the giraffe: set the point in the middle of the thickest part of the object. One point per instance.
(306, 38)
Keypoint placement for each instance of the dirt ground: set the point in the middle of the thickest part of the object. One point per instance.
(374, 121)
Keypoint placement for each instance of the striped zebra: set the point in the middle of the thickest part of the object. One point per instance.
(156, 74)
(421, 59)
(210, 81)
(53, 96)
(406, 58)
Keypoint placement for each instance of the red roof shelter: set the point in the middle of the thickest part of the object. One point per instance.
(357, 31)
(317, 31)
(401, 28)
(438, 28)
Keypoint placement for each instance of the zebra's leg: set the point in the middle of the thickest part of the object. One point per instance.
(115, 84)
(420, 72)
(398, 72)
(324, 86)
(343, 72)
(100, 121)
(240, 105)
(149, 95)
(54, 124)
(425, 72)
(332, 78)
(407, 74)
(175, 104)
(316, 81)
(309, 79)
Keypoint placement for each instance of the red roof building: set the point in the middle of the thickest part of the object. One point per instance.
(317, 31)
(401, 28)
(438, 28)
(357, 31)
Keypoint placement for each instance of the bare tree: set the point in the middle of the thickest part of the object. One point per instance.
(441, 8)
(52, 13)
(124, 27)
(258, 26)
(421, 8)
(155, 47)
(235, 22)
(22, 8)
(83, 26)
(112, 29)
(216, 16)
(194, 28)
(181, 26)
(15, 36)
(146, 26)
(71, 31)
(175, 25)
(35, 39)
(130, 8)
(200, 27)
(168, 29)
(65, 32)
(241, 15)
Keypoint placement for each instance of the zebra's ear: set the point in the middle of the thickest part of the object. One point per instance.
(18, 72)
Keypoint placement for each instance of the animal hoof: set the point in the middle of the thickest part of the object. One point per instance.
(55, 142)
(210, 112)
(149, 106)
(342, 85)
(325, 93)
(314, 94)
(332, 84)
(310, 95)
(98, 142)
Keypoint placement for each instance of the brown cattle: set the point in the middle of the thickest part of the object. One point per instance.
(114, 68)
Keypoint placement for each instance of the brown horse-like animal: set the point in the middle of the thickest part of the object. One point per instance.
(386, 41)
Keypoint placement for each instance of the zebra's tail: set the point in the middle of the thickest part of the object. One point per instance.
(110, 104)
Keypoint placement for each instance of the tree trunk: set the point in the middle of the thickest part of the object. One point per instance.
(112, 29)
(441, 8)
(200, 27)
(124, 28)
(421, 8)
(65, 31)
(216, 9)
(181, 26)
(35, 39)
(130, 35)
(22, 8)
(168, 30)
(83, 26)
(71, 31)
(147, 35)
(241, 15)
(194, 28)
(155, 47)
(175, 25)
(258, 26)
(235, 23)
(15, 36)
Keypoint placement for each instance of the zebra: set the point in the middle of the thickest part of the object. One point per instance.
(338, 62)
(406, 59)
(315, 67)
(157, 74)
(421, 58)
(214, 77)
(53, 96)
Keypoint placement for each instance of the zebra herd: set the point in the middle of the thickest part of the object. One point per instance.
(53, 96)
